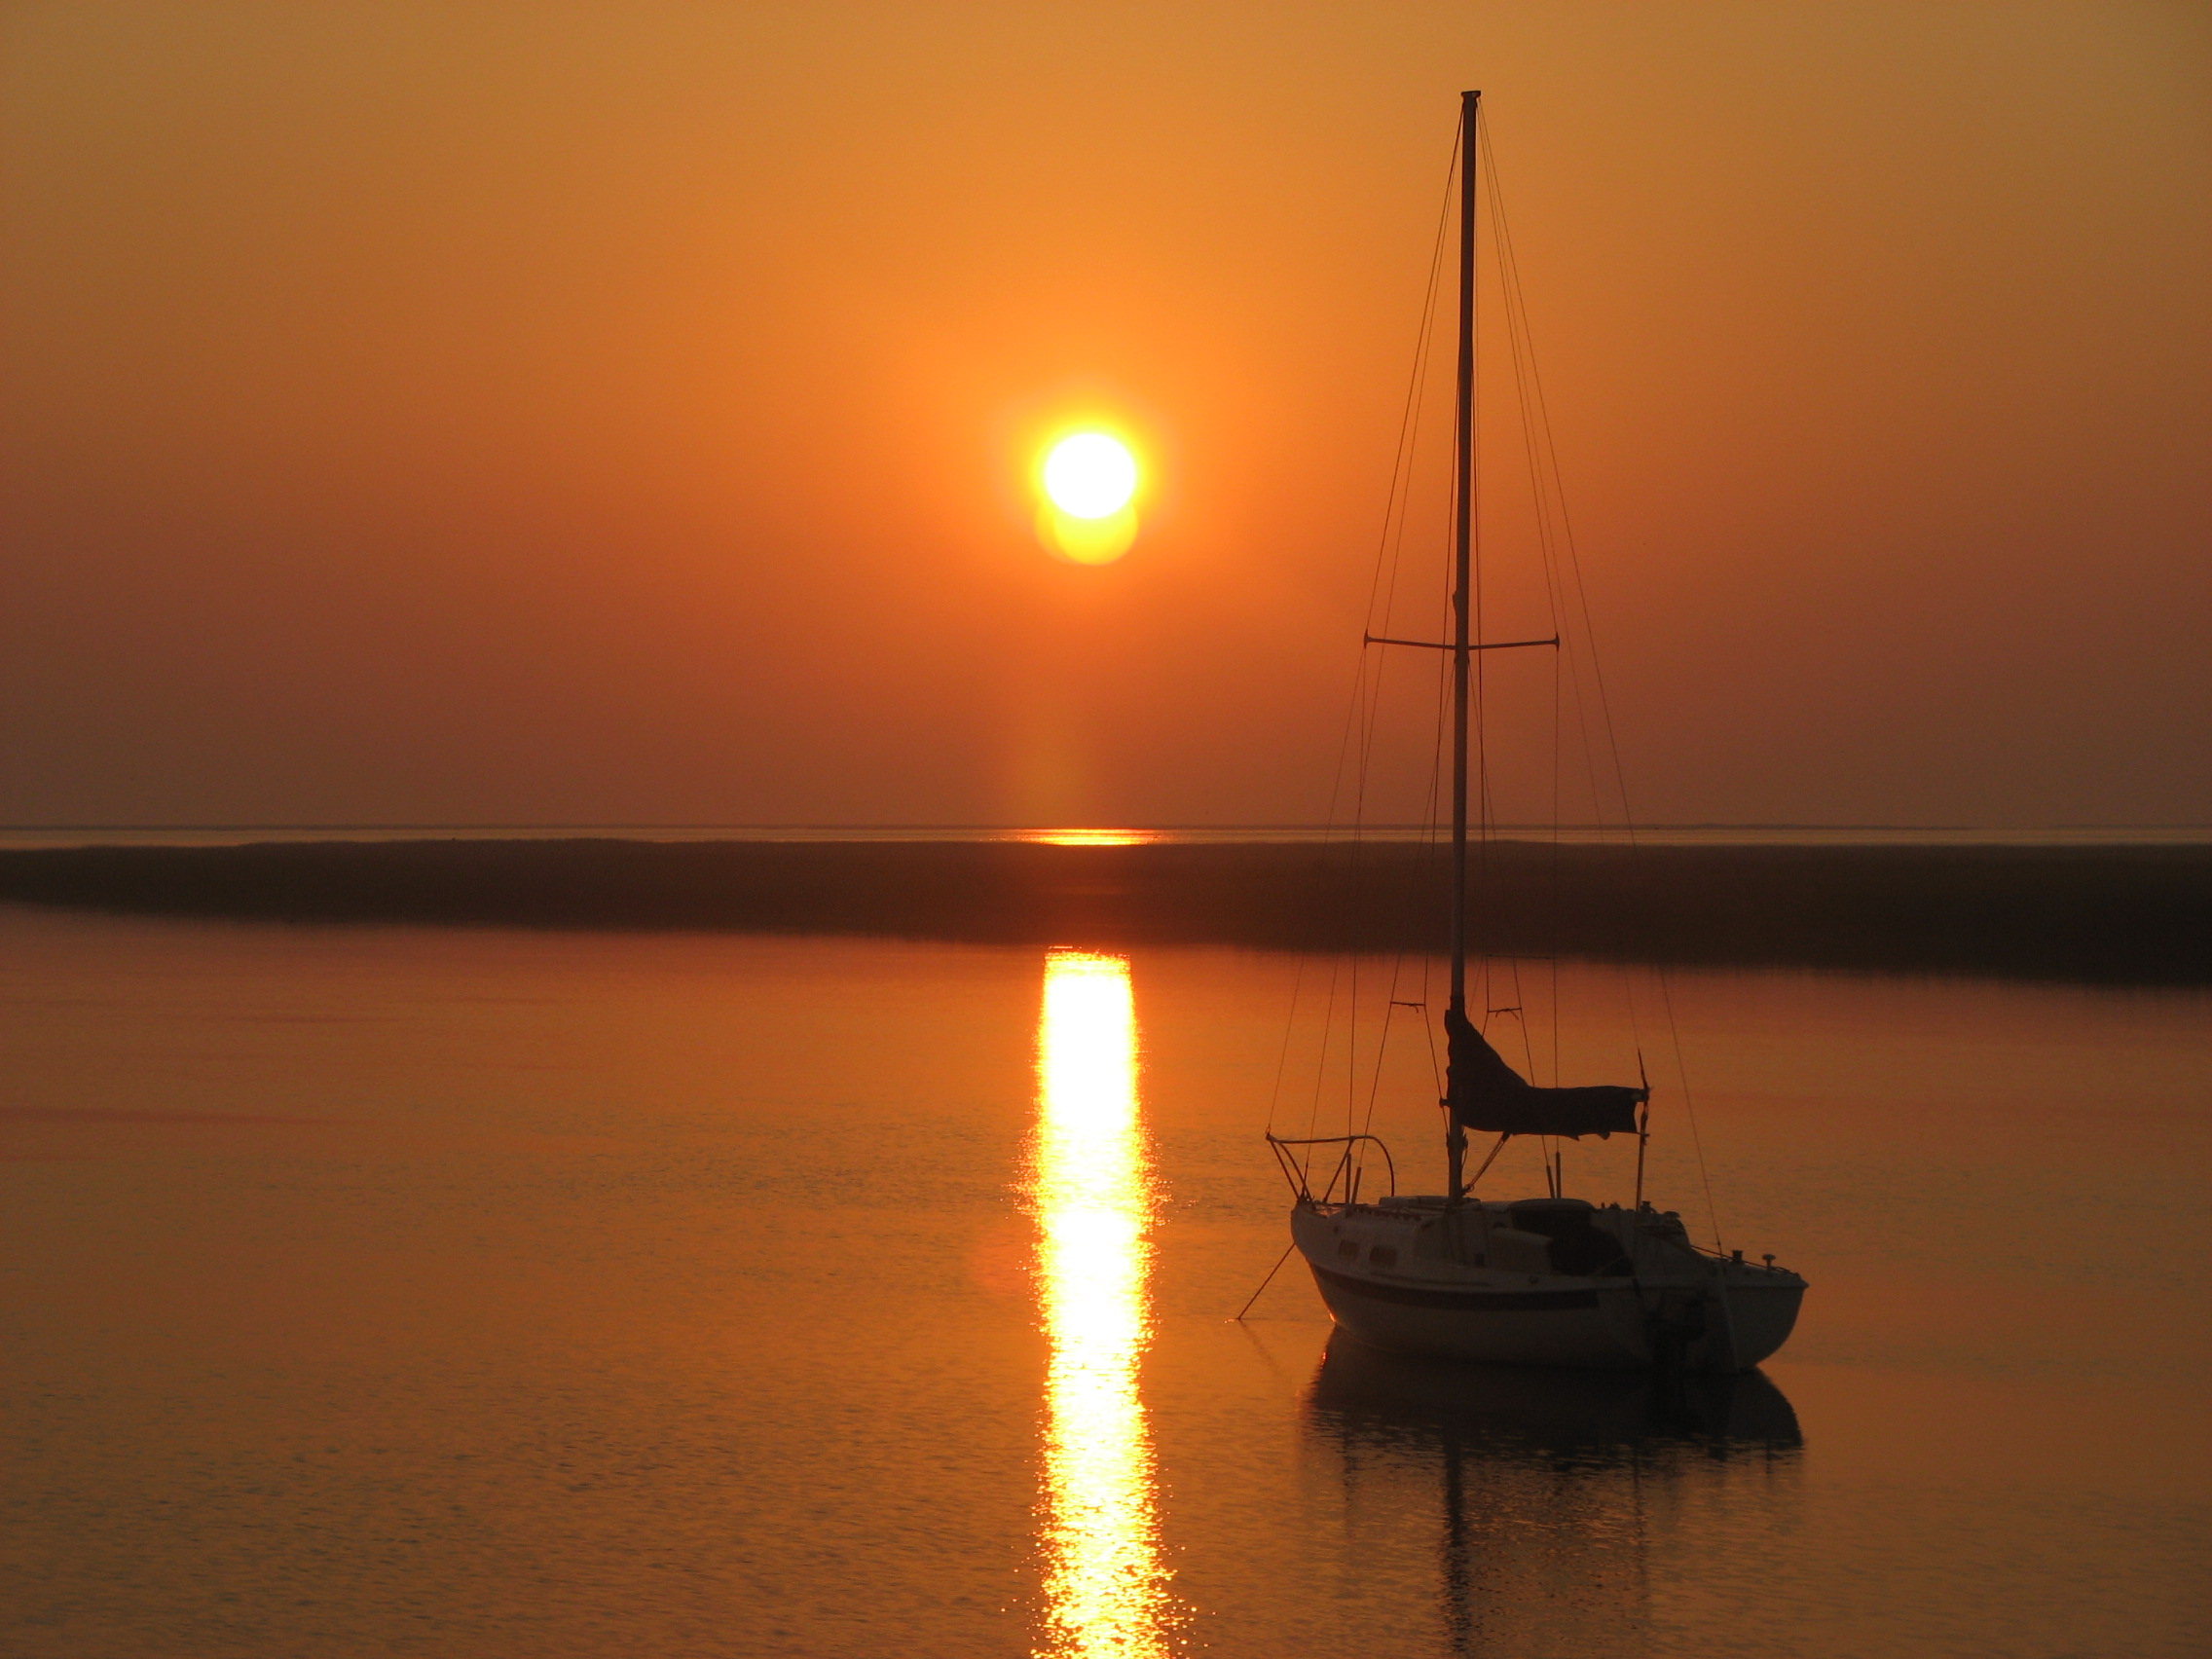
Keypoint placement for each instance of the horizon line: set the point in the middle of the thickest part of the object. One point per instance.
(1705, 823)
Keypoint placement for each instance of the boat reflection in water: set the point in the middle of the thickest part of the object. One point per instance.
(1090, 1182)
(1536, 1502)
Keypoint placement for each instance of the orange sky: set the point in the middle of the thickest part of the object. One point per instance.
(620, 412)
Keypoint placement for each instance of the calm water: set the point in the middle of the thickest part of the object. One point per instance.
(488, 1294)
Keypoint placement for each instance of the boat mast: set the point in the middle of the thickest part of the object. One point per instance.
(1462, 583)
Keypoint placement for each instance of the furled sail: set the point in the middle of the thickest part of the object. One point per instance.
(1487, 1096)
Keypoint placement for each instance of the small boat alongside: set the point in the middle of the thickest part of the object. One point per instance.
(1547, 1280)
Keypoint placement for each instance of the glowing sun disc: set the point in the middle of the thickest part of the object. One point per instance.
(1090, 475)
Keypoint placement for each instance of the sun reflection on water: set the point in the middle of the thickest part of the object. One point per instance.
(1105, 1586)
(1090, 839)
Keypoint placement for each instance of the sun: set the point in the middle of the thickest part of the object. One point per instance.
(1090, 475)
(1090, 481)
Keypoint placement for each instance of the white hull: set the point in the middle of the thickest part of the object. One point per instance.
(1407, 1277)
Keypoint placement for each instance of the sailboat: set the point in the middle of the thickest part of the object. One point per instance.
(1550, 1280)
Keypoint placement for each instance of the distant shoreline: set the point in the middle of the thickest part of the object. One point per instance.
(1709, 835)
(2100, 913)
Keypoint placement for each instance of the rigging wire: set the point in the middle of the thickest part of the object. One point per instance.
(1378, 621)
(1585, 705)
(1357, 735)
(1563, 575)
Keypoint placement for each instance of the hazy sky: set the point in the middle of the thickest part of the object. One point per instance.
(622, 411)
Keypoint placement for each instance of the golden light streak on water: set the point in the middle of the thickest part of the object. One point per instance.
(1105, 1586)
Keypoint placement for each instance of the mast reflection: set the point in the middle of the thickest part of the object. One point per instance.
(1105, 1586)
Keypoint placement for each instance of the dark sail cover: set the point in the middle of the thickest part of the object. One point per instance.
(1487, 1096)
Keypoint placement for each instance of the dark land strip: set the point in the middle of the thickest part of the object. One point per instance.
(2120, 915)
